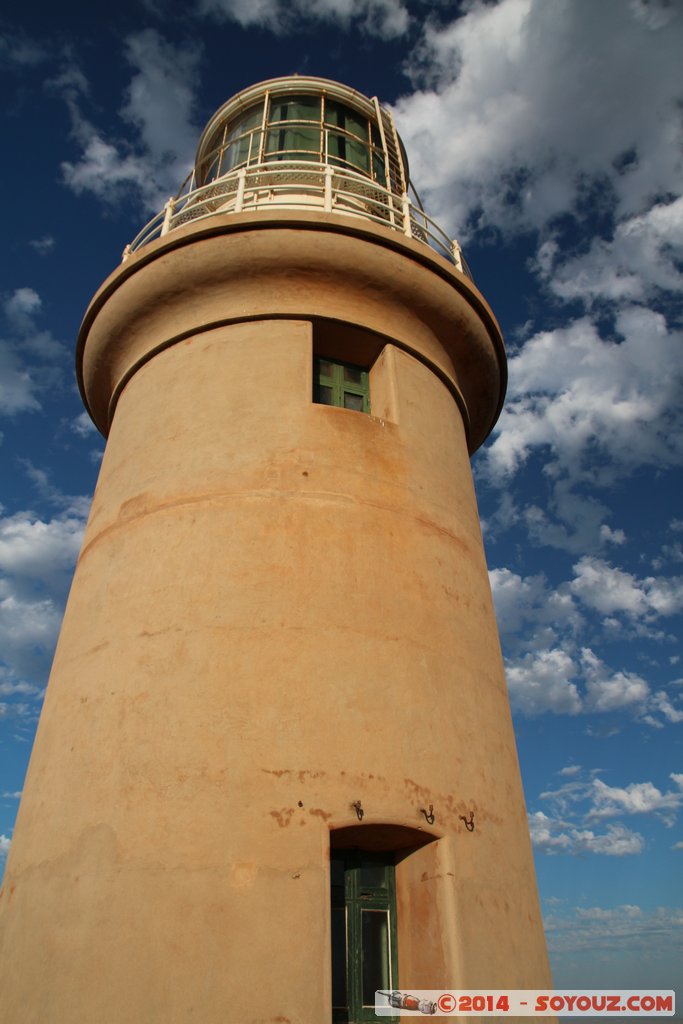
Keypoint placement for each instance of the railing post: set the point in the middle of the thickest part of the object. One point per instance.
(169, 210)
(405, 202)
(328, 190)
(456, 252)
(125, 255)
(241, 182)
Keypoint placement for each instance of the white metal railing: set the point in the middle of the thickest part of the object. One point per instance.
(300, 185)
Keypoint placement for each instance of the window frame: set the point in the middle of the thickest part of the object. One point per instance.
(338, 385)
(357, 897)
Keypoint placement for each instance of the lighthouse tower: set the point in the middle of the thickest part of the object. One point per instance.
(275, 769)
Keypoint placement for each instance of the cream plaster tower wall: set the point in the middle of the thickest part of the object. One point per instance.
(280, 647)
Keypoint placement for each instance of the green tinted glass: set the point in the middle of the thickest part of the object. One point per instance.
(340, 116)
(251, 119)
(293, 140)
(353, 402)
(374, 953)
(372, 874)
(341, 384)
(294, 108)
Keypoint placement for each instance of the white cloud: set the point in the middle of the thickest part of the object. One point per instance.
(585, 799)
(9, 687)
(17, 387)
(30, 358)
(609, 590)
(83, 425)
(19, 51)
(22, 307)
(554, 837)
(384, 18)
(668, 553)
(570, 793)
(39, 550)
(37, 557)
(531, 616)
(569, 826)
(159, 105)
(531, 115)
(643, 257)
(637, 798)
(5, 843)
(529, 602)
(542, 681)
(607, 690)
(617, 841)
(612, 536)
(105, 172)
(527, 104)
(72, 506)
(161, 100)
(627, 927)
(543, 835)
(42, 245)
(663, 704)
(550, 668)
(597, 409)
(28, 631)
(17, 709)
(569, 521)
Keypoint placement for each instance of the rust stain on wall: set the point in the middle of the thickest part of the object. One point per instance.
(319, 813)
(282, 816)
(302, 773)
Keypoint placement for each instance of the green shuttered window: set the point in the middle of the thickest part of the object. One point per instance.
(341, 384)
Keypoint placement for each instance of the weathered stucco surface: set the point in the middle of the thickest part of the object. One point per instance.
(280, 608)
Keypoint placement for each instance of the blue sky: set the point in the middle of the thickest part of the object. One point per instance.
(545, 135)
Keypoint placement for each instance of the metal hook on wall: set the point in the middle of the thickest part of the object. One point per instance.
(469, 823)
(429, 815)
(359, 809)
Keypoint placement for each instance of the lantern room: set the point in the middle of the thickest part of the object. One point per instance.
(303, 143)
(303, 119)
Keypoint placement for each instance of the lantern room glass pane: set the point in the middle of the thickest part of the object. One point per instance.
(244, 150)
(344, 151)
(295, 143)
(251, 119)
(241, 144)
(341, 116)
(294, 108)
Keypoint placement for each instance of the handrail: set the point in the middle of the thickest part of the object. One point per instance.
(298, 184)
